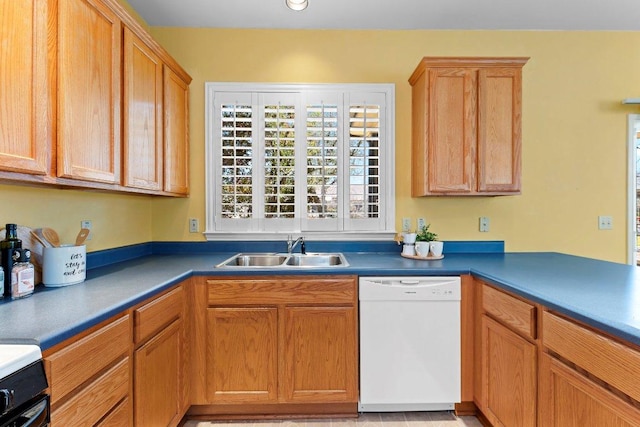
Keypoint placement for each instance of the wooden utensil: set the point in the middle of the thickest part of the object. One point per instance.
(42, 241)
(51, 236)
(82, 236)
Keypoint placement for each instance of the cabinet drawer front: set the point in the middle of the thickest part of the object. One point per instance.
(298, 290)
(96, 400)
(610, 361)
(514, 313)
(119, 417)
(78, 362)
(152, 317)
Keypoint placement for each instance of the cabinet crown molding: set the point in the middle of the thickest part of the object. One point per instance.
(467, 62)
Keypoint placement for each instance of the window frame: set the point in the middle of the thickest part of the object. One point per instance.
(387, 154)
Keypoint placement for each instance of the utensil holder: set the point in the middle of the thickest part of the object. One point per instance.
(64, 265)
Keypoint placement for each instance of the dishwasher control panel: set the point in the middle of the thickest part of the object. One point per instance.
(427, 288)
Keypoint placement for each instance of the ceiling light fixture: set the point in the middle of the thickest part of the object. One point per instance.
(297, 4)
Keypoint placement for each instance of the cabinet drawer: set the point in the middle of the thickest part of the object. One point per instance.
(119, 417)
(283, 290)
(610, 361)
(96, 400)
(152, 317)
(81, 360)
(514, 313)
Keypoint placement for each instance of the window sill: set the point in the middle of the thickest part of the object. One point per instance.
(309, 235)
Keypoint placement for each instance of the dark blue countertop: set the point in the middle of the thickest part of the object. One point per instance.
(602, 294)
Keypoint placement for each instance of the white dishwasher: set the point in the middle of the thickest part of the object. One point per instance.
(409, 343)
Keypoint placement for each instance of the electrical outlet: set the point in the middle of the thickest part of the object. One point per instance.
(406, 224)
(484, 224)
(605, 222)
(421, 223)
(87, 224)
(194, 225)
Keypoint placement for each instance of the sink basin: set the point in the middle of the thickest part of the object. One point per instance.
(254, 260)
(285, 261)
(317, 260)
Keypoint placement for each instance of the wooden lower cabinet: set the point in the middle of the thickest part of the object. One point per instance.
(508, 376)
(89, 378)
(242, 354)
(536, 367)
(159, 391)
(320, 351)
(128, 371)
(569, 399)
(156, 379)
(276, 345)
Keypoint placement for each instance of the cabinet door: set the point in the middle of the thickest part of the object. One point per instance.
(499, 129)
(451, 130)
(320, 354)
(568, 399)
(157, 384)
(24, 89)
(89, 46)
(242, 346)
(176, 133)
(508, 376)
(142, 142)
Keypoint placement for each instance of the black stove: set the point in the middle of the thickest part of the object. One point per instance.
(23, 384)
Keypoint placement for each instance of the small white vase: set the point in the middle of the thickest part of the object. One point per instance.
(409, 238)
(422, 249)
(436, 248)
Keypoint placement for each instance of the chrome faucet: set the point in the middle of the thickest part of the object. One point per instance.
(291, 244)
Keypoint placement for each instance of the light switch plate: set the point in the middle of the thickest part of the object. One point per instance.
(605, 222)
(484, 224)
(194, 225)
(86, 223)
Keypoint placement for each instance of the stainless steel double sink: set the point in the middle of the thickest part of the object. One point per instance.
(285, 261)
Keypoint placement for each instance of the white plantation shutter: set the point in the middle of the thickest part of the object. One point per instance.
(314, 158)
(366, 189)
(235, 176)
(323, 192)
(278, 128)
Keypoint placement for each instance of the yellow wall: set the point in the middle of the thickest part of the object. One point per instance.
(574, 127)
(118, 220)
(574, 133)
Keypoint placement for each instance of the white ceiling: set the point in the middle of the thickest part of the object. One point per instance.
(396, 14)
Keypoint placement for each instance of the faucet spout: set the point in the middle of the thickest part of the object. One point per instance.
(291, 244)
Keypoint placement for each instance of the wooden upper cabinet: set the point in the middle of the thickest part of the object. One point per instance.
(499, 129)
(89, 58)
(451, 127)
(176, 133)
(142, 143)
(25, 128)
(85, 88)
(466, 126)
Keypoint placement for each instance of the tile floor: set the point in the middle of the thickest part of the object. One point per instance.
(396, 419)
